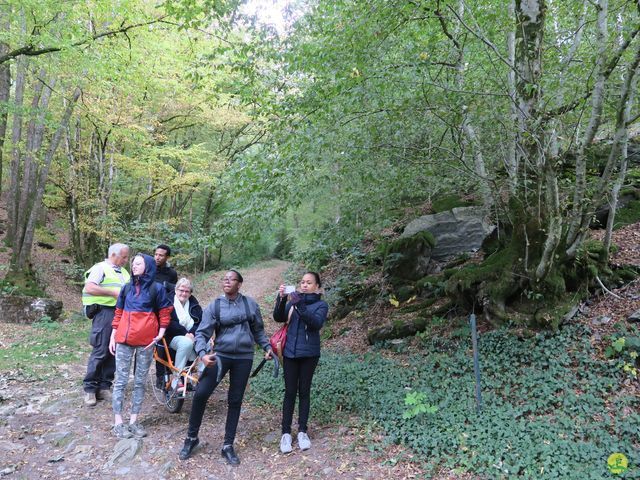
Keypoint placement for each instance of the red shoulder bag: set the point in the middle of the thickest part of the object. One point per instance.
(279, 338)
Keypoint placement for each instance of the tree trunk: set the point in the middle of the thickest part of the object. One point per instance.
(16, 137)
(469, 136)
(622, 172)
(529, 34)
(24, 250)
(5, 89)
(527, 202)
(511, 160)
(595, 120)
(35, 134)
(72, 144)
(613, 160)
(208, 211)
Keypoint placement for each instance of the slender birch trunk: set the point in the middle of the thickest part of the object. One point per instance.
(5, 91)
(622, 172)
(15, 172)
(552, 210)
(595, 120)
(35, 135)
(72, 145)
(512, 140)
(469, 135)
(24, 255)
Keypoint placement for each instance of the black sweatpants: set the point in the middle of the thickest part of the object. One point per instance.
(239, 371)
(298, 374)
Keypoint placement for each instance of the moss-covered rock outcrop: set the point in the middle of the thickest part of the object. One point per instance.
(408, 258)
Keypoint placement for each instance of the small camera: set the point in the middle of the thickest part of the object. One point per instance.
(289, 289)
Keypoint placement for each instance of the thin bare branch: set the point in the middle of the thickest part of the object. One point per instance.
(31, 50)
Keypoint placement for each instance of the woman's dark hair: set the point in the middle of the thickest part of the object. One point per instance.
(316, 275)
(240, 279)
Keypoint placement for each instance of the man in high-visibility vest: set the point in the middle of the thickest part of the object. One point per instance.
(102, 286)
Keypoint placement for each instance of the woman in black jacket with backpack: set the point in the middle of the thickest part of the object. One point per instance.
(306, 313)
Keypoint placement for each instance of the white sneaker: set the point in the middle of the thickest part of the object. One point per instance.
(285, 443)
(303, 441)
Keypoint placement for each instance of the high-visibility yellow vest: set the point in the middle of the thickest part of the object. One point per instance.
(111, 281)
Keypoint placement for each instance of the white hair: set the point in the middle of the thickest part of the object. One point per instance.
(117, 248)
(186, 282)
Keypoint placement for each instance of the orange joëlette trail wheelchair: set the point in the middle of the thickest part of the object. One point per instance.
(173, 394)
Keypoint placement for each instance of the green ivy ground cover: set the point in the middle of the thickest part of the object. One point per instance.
(550, 408)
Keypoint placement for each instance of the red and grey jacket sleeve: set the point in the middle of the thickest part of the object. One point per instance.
(119, 309)
(164, 316)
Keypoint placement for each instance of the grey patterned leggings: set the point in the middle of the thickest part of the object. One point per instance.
(124, 357)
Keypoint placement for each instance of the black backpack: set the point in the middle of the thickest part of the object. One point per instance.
(216, 311)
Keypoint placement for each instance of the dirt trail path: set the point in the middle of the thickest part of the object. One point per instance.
(47, 433)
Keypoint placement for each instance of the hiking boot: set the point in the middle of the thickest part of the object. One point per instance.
(303, 441)
(121, 431)
(137, 430)
(189, 445)
(285, 443)
(104, 395)
(90, 399)
(230, 455)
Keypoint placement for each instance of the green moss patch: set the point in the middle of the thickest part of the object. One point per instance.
(21, 283)
(495, 271)
(448, 202)
(628, 215)
(404, 244)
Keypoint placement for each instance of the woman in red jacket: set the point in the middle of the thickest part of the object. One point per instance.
(142, 316)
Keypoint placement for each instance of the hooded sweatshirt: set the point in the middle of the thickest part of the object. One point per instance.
(138, 316)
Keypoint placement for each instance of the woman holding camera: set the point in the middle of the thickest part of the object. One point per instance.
(306, 313)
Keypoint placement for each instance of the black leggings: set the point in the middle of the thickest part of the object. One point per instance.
(239, 371)
(298, 374)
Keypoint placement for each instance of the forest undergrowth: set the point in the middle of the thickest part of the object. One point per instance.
(554, 404)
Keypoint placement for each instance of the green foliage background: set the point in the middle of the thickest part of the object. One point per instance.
(551, 408)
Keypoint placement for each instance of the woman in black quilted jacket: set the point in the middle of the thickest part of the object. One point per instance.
(180, 334)
(306, 312)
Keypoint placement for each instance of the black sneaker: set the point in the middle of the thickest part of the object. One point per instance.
(189, 445)
(230, 455)
(160, 383)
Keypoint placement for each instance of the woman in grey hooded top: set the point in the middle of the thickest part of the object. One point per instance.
(237, 324)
